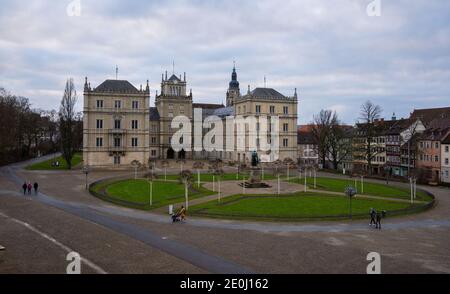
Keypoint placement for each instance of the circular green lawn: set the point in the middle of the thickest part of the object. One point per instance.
(291, 207)
(373, 189)
(137, 192)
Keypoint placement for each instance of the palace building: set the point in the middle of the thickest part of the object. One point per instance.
(120, 126)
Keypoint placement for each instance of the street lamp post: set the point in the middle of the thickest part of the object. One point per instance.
(350, 192)
(305, 187)
(362, 184)
(86, 172)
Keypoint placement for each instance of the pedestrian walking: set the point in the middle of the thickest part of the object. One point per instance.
(29, 188)
(35, 186)
(378, 223)
(24, 187)
(373, 214)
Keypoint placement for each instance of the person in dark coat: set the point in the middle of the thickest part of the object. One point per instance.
(29, 188)
(373, 214)
(35, 186)
(378, 223)
(24, 187)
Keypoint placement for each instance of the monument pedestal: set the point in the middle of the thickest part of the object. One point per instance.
(255, 179)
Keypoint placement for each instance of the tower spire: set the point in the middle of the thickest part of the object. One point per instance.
(264, 81)
(173, 67)
(117, 71)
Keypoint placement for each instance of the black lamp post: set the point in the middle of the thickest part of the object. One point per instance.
(86, 172)
(350, 192)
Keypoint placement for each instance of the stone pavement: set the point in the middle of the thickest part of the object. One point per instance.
(123, 240)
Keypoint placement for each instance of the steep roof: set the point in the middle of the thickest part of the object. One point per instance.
(174, 78)
(382, 127)
(154, 114)
(116, 86)
(268, 93)
(399, 126)
(446, 139)
(437, 130)
(440, 123)
(428, 114)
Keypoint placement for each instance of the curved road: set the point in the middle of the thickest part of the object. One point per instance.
(119, 240)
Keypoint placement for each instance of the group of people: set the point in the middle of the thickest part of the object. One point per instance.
(375, 218)
(28, 187)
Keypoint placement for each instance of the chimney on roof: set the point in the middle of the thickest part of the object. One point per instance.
(394, 117)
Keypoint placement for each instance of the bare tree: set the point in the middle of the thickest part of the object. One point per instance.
(338, 147)
(67, 118)
(367, 130)
(320, 131)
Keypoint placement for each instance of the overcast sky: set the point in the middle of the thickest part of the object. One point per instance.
(332, 51)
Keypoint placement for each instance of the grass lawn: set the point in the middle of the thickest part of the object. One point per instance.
(138, 191)
(209, 177)
(339, 185)
(297, 206)
(47, 165)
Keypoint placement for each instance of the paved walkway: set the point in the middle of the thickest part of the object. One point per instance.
(414, 243)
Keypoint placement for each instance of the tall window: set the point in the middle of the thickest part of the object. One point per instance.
(285, 142)
(117, 124)
(117, 104)
(134, 142)
(135, 104)
(134, 124)
(116, 160)
(285, 127)
(258, 108)
(99, 103)
(117, 142)
(285, 110)
(272, 109)
(99, 142)
(99, 123)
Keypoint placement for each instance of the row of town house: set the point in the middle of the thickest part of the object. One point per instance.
(414, 147)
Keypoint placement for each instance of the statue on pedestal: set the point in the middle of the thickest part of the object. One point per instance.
(255, 159)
